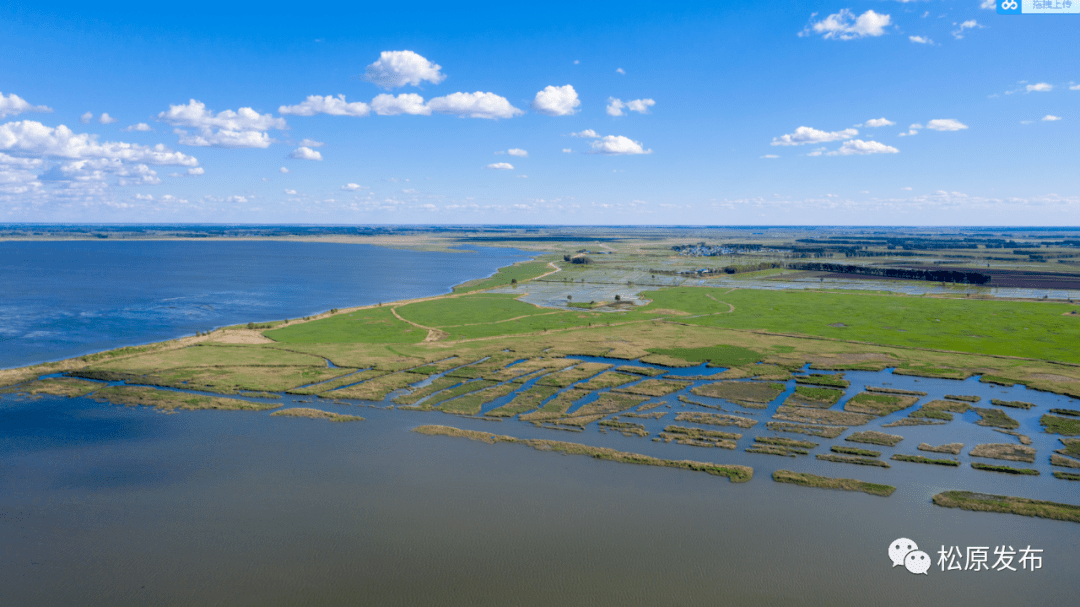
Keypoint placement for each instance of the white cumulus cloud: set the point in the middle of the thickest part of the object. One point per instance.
(399, 68)
(194, 114)
(877, 122)
(474, 105)
(587, 134)
(517, 152)
(305, 153)
(406, 103)
(945, 124)
(958, 33)
(617, 145)
(567, 151)
(13, 104)
(34, 138)
(86, 118)
(291, 192)
(846, 26)
(805, 134)
(1050, 118)
(351, 187)
(243, 128)
(862, 148)
(501, 166)
(920, 40)
(556, 101)
(142, 126)
(615, 106)
(105, 118)
(283, 170)
(195, 172)
(333, 106)
(1041, 87)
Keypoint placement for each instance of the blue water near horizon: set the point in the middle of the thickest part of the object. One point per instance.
(69, 298)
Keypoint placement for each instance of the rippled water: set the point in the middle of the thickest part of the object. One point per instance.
(110, 505)
(64, 299)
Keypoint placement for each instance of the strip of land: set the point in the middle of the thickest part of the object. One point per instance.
(982, 502)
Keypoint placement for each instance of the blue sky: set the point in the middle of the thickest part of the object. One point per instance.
(728, 113)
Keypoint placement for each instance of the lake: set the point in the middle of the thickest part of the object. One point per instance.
(109, 505)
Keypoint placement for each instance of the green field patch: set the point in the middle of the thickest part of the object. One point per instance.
(433, 401)
(812, 430)
(57, 386)
(572, 375)
(809, 396)
(417, 394)
(824, 482)
(168, 400)
(344, 380)
(316, 414)
(1016, 453)
(716, 356)
(508, 276)
(953, 448)
(715, 419)
(854, 451)
(556, 407)
(982, 502)
(470, 404)
(1015, 404)
(939, 409)
(1004, 469)
(817, 379)
(608, 403)
(1066, 476)
(610, 379)
(908, 421)
(1071, 447)
(439, 366)
(995, 418)
(450, 312)
(489, 366)
(873, 437)
(1066, 412)
(369, 326)
(524, 401)
(852, 459)
(524, 370)
(1065, 426)
(878, 405)
(918, 459)
(736, 474)
(375, 389)
(995, 327)
(807, 415)
(654, 387)
(963, 397)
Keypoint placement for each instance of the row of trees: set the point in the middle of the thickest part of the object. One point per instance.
(971, 278)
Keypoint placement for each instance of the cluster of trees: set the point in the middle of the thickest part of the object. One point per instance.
(971, 278)
(577, 258)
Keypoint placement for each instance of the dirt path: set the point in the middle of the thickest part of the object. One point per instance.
(433, 334)
(732, 306)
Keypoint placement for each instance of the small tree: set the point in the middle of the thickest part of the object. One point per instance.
(251, 325)
(618, 297)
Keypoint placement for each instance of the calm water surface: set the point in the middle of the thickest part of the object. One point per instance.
(109, 505)
(64, 299)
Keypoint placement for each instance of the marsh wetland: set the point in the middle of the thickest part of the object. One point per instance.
(431, 480)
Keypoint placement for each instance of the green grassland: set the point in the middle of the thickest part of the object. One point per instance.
(968, 500)
(520, 272)
(372, 325)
